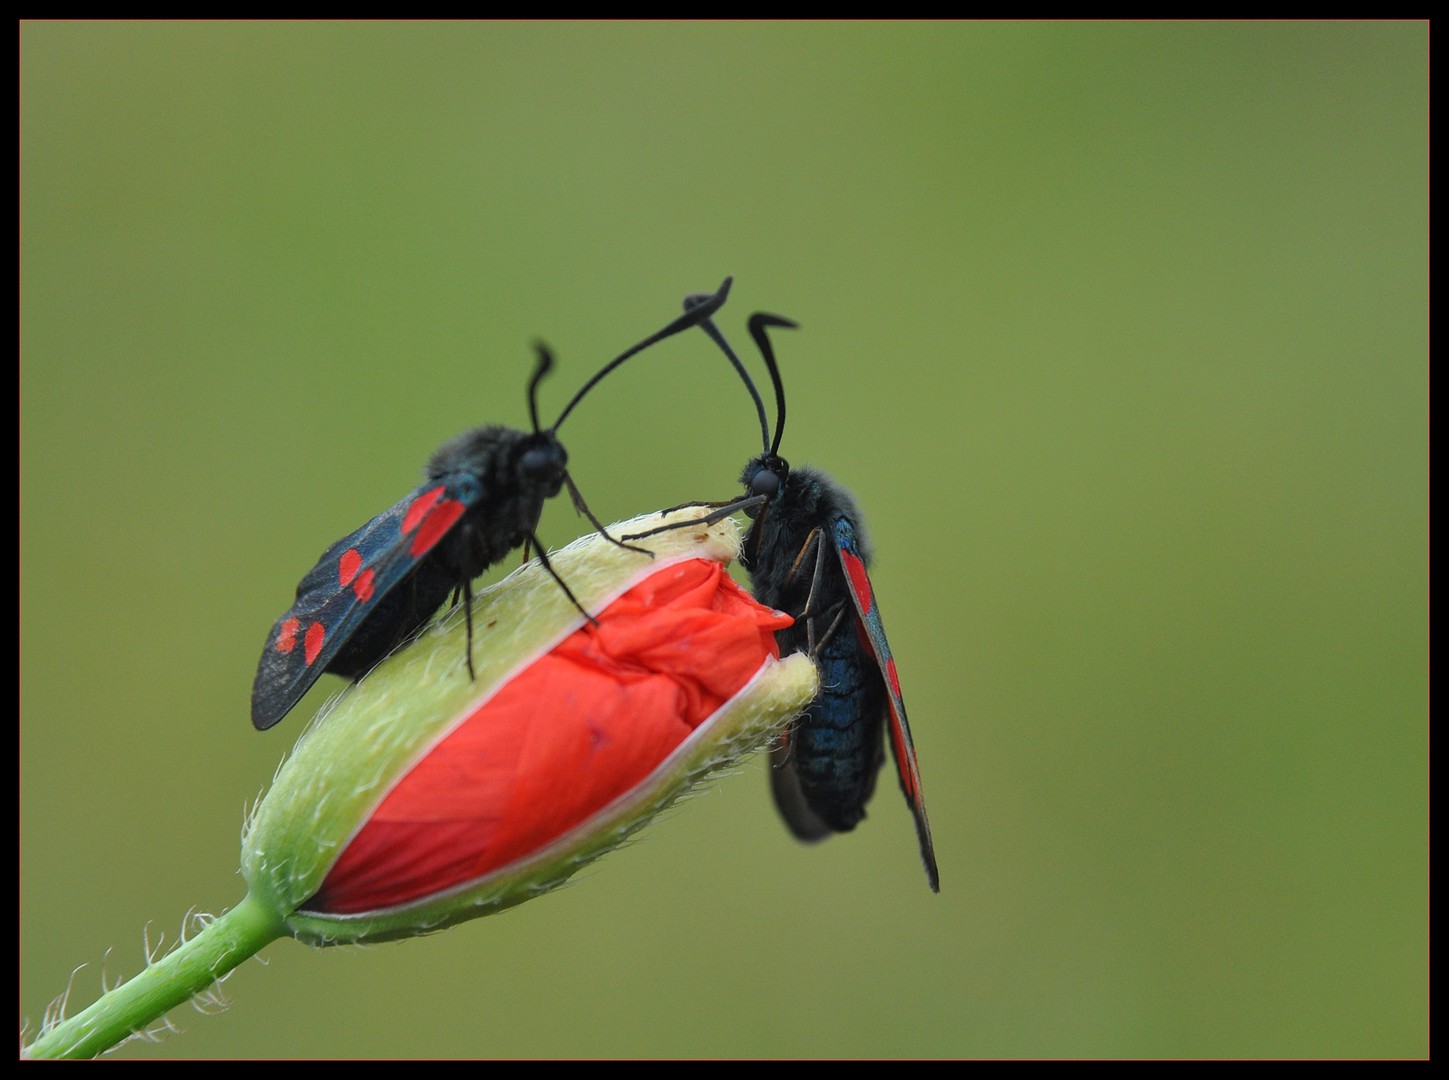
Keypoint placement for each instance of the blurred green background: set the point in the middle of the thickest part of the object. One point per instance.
(1118, 332)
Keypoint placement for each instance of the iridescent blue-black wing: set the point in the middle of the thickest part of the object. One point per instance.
(903, 748)
(343, 591)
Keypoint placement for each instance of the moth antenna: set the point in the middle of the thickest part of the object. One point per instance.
(692, 316)
(583, 508)
(709, 328)
(545, 365)
(758, 322)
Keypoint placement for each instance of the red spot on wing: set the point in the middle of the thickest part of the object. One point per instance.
(347, 574)
(348, 565)
(287, 635)
(435, 525)
(312, 643)
(419, 509)
(892, 677)
(904, 758)
(859, 582)
(363, 585)
(905, 753)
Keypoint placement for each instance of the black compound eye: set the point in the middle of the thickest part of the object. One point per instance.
(765, 483)
(541, 462)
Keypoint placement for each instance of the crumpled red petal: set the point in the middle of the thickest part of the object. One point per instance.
(568, 735)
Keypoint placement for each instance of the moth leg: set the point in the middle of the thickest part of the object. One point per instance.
(562, 584)
(468, 619)
(687, 505)
(722, 511)
(808, 612)
(811, 541)
(816, 646)
(583, 508)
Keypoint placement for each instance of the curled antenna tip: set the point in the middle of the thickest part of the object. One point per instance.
(545, 365)
(718, 297)
(762, 318)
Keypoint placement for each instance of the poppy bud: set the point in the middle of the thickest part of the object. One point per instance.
(424, 797)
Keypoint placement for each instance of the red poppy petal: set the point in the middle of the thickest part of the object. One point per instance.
(564, 738)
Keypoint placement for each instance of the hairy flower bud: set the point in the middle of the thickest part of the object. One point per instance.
(424, 797)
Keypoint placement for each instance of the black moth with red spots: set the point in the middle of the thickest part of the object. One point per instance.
(806, 554)
(377, 586)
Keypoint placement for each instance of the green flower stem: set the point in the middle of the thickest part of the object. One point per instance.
(184, 972)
